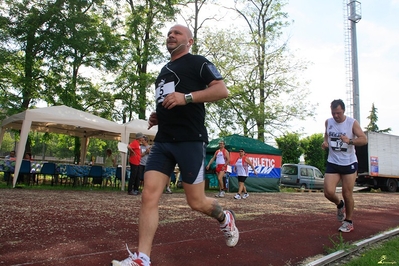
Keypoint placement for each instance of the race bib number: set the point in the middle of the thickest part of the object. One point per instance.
(163, 90)
(337, 144)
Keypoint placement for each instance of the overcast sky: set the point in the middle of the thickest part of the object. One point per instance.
(317, 34)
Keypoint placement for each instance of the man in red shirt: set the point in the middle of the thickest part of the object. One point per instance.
(134, 161)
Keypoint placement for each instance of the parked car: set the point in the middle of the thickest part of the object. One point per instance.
(301, 176)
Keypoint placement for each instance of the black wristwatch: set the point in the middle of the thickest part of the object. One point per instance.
(350, 142)
(188, 98)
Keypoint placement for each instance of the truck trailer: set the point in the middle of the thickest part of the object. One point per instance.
(379, 162)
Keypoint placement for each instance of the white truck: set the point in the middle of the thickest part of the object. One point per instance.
(379, 162)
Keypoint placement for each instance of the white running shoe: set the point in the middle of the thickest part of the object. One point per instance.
(230, 230)
(237, 196)
(246, 195)
(346, 227)
(221, 194)
(132, 260)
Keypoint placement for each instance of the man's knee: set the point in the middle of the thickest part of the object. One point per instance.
(328, 194)
(347, 193)
(198, 204)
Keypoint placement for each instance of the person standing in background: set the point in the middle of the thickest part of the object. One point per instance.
(342, 134)
(145, 149)
(134, 161)
(8, 159)
(110, 161)
(222, 157)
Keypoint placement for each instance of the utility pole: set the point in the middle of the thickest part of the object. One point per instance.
(353, 10)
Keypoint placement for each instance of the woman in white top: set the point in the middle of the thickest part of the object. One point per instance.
(222, 158)
(241, 168)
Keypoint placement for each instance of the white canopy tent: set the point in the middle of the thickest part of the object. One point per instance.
(139, 125)
(131, 128)
(62, 120)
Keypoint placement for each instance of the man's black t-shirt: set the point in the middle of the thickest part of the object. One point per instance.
(186, 74)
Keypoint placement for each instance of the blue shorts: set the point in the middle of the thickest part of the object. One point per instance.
(341, 169)
(242, 178)
(190, 157)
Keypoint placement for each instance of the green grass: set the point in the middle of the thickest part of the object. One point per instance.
(287, 189)
(386, 253)
(338, 244)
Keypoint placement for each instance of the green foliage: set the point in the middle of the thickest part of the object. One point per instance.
(231, 115)
(59, 146)
(98, 147)
(52, 42)
(385, 254)
(8, 143)
(260, 72)
(338, 244)
(290, 147)
(313, 153)
(288, 189)
(95, 56)
(142, 45)
(372, 126)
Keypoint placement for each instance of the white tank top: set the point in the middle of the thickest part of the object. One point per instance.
(220, 157)
(242, 167)
(339, 152)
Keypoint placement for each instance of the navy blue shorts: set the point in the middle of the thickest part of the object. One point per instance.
(189, 156)
(241, 178)
(341, 169)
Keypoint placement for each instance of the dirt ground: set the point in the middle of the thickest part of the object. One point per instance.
(44, 227)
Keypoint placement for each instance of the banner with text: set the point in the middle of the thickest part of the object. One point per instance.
(266, 165)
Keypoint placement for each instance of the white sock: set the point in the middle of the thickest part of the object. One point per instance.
(226, 221)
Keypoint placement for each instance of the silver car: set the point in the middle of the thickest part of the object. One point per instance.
(301, 176)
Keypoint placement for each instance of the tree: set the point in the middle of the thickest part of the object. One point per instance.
(313, 153)
(8, 143)
(372, 126)
(290, 147)
(142, 38)
(48, 47)
(25, 24)
(265, 94)
(214, 44)
(51, 42)
(191, 13)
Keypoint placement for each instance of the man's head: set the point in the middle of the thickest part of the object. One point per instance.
(242, 151)
(338, 110)
(12, 153)
(179, 40)
(221, 144)
(139, 135)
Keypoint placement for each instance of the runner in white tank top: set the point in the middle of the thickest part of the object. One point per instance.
(341, 135)
(222, 160)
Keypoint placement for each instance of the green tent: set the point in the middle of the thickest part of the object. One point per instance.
(268, 178)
